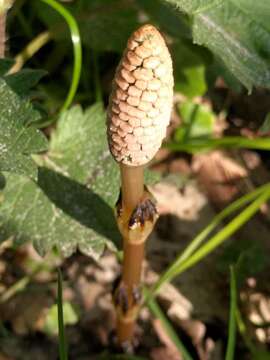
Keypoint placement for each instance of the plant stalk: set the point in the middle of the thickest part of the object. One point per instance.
(132, 189)
(3, 16)
(32, 48)
(132, 186)
(134, 201)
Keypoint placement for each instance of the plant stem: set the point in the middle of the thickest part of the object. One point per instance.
(33, 47)
(63, 353)
(136, 217)
(132, 191)
(232, 322)
(3, 16)
(132, 186)
(77, 49)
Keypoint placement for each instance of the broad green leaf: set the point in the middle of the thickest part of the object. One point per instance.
(259, 11)
(244, 253)
(259, 354)
(189, 69)
(217, 70)
(169, 20)
(71, 204)
(195, 6)
(22, 81)
(198, 122)
(188, 60)
(51, 320)
(265, 128)
(230, 32)
(5, 65)
(103, 25)
(109, 28)
(2, 182)
(17, 140)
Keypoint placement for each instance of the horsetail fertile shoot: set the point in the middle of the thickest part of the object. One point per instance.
(138, 114)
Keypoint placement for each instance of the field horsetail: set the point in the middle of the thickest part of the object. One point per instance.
(138, 114)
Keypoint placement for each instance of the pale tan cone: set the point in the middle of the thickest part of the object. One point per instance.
(141, 100)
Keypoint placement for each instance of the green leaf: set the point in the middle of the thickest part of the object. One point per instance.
(5, 65)
(103, 25)
(70, 317)
(198, 122)
(195, 6)
(243, 253)
(259, 354)
(217, 70)
(18, 141)
(188, 60)
(265, 128)
(108, 27)
(2, 182)
(236, 37)
(22, 81)
(71, 205)
(259, 11)
(189, 69)
(167, 18)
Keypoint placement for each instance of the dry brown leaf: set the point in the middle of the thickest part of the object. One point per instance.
(219, 174)
(170, 351)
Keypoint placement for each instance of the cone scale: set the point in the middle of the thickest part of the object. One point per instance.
(138, 114)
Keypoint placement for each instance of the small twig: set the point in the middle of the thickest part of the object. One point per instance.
(20, 285)
(33, 47)
(5, 5)
(3, 16)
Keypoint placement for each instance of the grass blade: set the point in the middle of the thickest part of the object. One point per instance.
(63, 353)
(206, 231)
(158, 313)
(236, 142)
(77, 49)
(227, 231)
(190, 257)
(232, 322)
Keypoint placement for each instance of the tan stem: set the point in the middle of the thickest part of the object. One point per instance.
(132, 190)
(132, 263)
(132, 186)
(131, 276)
(33, 47)
(2, 33)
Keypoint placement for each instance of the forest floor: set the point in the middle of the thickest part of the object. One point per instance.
(192, 190)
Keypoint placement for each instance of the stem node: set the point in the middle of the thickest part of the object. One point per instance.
(136, 215)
